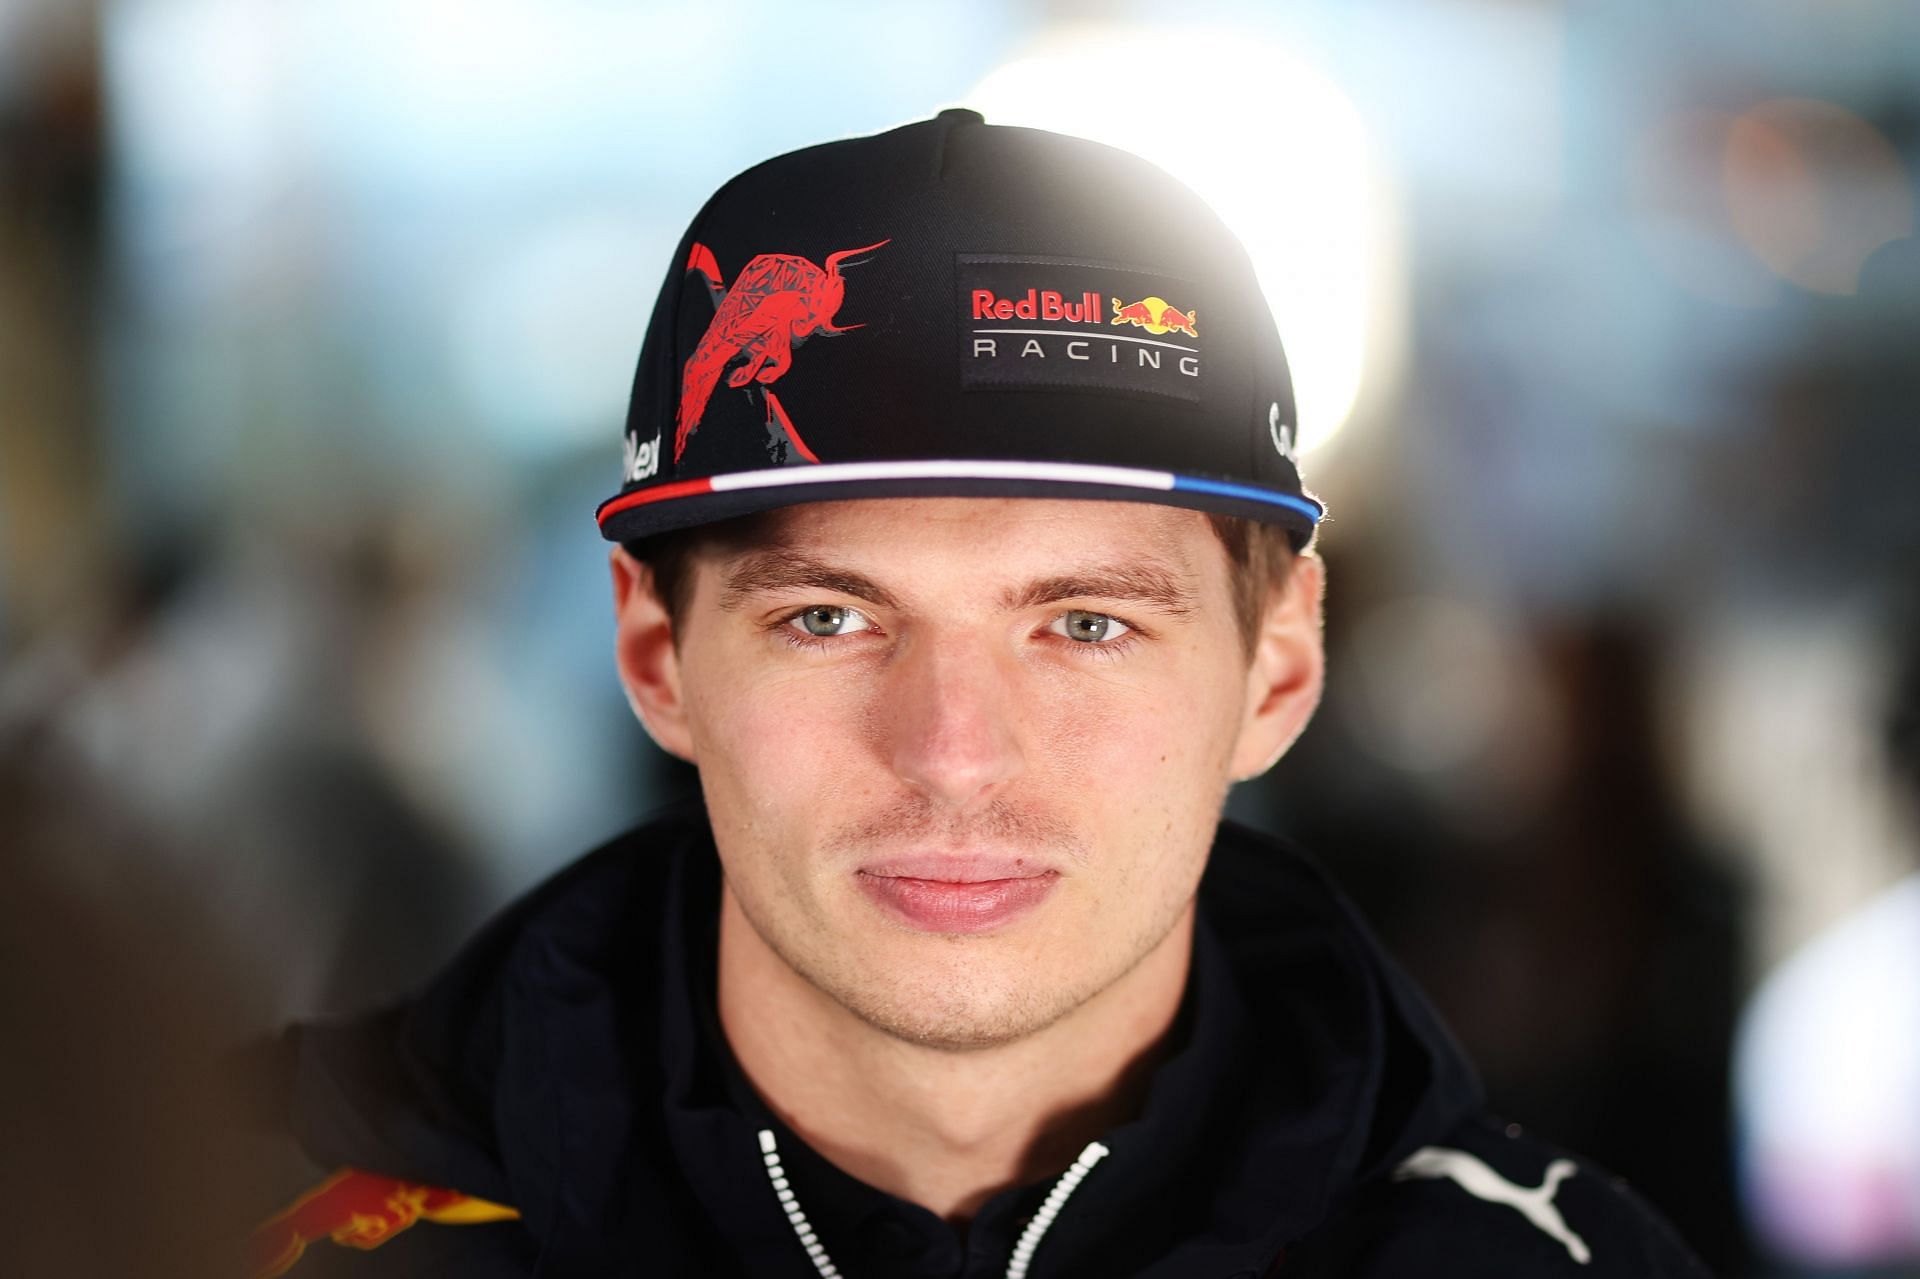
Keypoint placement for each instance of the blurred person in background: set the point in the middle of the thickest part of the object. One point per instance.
(965, 555)
(124, 1144)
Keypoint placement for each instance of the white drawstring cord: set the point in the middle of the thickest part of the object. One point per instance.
(1022, 1251)
(1056, 1200)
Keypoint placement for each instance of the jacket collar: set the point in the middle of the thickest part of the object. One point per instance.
(561, 1065)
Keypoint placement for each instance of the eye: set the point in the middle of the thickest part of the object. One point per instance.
(1089, 628)
(824, 621)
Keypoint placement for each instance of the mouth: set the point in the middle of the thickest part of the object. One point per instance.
(957, 894)
(957, 868)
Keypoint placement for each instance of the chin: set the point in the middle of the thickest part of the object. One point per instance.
(957, 1012)
(960, 1028)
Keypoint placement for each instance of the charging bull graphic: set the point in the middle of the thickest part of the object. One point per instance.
(778, 301)
(1155, 315)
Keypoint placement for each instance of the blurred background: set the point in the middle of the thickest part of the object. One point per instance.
(316, 323)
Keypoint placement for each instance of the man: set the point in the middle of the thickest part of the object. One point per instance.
(964, 553)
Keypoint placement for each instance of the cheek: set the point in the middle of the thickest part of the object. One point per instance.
(1145, 750)
(1176, 714)
(1142, 772)
(776, 746)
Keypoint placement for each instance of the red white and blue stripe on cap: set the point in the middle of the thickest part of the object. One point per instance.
(882, 478)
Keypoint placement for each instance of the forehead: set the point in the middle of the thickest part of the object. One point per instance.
(998, 535)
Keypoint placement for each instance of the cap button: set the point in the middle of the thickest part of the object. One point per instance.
(960, 115)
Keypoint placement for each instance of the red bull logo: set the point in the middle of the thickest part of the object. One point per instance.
(1037, 304)
(1029, 321)
(778, 301)
(1155, 315)
(360, 1210)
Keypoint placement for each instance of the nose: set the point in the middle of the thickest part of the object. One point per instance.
(951, 713)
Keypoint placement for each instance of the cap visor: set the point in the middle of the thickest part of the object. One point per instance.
(664, 508)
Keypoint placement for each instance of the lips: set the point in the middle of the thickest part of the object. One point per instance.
(957, 894)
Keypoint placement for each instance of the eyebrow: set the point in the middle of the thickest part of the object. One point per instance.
(1143, 583)
(766, 572)
(773, 571)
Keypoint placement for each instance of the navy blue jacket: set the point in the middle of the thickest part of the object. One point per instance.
(1312, 1119)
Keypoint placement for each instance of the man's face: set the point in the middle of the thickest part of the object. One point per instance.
(964, 757)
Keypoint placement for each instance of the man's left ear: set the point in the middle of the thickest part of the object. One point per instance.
(1287, 672)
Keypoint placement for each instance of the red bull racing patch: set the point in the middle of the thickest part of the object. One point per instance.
(1031, 322)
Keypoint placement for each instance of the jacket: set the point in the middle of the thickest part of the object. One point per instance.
(561, 1102)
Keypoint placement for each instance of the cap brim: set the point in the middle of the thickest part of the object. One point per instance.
(664, 508)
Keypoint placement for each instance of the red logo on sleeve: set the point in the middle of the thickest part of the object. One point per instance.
(361, 1210)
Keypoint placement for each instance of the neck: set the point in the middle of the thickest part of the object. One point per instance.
(944, 1129)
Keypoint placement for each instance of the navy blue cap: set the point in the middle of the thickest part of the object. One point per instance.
(953, 308)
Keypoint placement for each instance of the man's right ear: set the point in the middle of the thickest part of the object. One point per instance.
(644, 652)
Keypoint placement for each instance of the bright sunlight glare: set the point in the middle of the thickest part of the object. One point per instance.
(1278, 151)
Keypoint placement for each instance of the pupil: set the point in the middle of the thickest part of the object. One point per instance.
(1088, 626)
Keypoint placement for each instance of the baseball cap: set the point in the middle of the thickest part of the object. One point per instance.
(953, 308)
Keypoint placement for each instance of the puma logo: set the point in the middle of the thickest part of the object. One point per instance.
(1535, 1203)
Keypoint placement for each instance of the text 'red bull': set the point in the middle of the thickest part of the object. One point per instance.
(1038, 304)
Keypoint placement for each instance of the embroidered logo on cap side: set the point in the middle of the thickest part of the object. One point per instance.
(1281, 433)
(640, 459)
(1050, 322)
(778, 302)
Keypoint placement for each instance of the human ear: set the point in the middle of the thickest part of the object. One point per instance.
(1287, 672)
(648, 662)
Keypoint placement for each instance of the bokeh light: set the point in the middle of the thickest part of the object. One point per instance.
(1278, 150)
(1813, 191)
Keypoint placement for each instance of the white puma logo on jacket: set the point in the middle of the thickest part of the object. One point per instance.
(1535, 1202)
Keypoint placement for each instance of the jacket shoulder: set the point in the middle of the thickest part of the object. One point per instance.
(1488, 1200)
(370, 1226)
